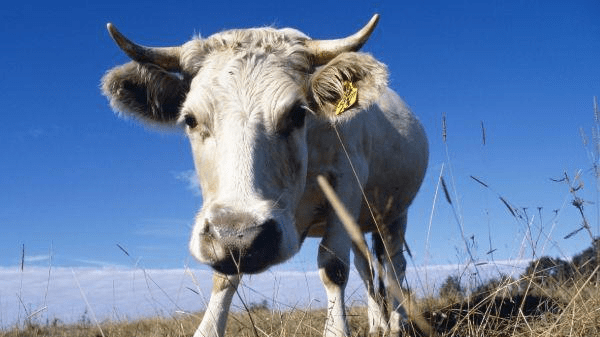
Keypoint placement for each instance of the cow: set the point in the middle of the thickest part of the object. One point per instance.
(266, 111)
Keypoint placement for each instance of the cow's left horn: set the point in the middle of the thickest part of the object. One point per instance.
(165, 57)
(325, 50)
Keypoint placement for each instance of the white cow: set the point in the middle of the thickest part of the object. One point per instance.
(266, 111)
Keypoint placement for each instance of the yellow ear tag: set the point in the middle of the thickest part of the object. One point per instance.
(348, 98)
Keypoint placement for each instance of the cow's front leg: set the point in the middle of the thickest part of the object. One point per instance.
(215, 318)
(378, 321)
(333, 258)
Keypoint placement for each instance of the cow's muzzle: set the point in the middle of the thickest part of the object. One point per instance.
(234, 248)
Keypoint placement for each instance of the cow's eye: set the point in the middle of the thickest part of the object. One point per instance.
(296, 116)
(190, 121)
(293, 119)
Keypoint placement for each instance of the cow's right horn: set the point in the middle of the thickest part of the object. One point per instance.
(325, 50)
(165, 57)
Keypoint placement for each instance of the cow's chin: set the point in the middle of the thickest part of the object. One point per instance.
(245, 265)
(271, 245)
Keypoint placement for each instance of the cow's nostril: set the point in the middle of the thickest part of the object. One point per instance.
(205, 228)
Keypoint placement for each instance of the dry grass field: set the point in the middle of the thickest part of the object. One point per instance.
(538, 304)
(552, 297)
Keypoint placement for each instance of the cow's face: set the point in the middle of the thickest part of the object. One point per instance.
(244, 98)
(245, 118)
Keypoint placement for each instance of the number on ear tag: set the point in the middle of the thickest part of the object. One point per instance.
(348, 98)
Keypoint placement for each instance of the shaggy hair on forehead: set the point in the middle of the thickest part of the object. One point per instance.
(154, 95)
(287, 43)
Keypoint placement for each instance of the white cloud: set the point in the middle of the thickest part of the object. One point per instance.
(124, 293)
(189, 177)
(36, 133)
(98, 263)
(36, 258)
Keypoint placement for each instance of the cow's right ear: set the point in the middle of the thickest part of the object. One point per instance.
(146, 92)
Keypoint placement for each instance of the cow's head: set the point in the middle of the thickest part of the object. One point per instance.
(243, 98)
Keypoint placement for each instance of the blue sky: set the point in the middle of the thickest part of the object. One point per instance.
(75, 180)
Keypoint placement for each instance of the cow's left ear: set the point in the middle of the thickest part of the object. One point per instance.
(347, 84)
